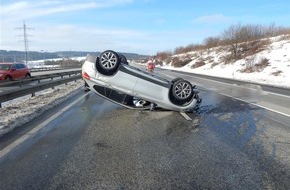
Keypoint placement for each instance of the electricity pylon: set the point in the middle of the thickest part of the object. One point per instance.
(25, 40)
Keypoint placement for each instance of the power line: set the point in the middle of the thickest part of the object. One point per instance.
(25, 40)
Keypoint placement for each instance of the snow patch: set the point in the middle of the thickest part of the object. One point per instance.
(277, 73)
(16, 112)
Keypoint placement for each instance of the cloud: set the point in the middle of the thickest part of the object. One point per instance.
(47, 13)
(66, 36)
(212, 19)
(13, 7)
(26, 10)
(35, 9)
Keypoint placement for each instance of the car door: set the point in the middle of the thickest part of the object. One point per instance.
(151, 88)
(15, 72)
(123, 82)
(21, 70)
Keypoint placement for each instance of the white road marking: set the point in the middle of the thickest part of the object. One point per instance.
(287, 115)
(273, 93)
(185, 116)
(33, 132)
(281, 95)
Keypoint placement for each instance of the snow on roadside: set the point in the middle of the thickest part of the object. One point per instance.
(276, 74)
(16, 112)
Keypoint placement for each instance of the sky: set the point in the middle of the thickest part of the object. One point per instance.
(131, 26)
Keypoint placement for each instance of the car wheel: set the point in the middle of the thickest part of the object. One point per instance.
(123, 59)
(8, 78)
(109, 60)
(182, 90)
(27, 75)
(176, 79)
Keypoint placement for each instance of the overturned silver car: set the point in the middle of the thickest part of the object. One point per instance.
(110, 76)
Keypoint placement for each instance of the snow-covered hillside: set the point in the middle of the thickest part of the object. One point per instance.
(269, 64)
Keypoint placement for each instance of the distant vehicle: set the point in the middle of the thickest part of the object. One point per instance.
(133, 88)
(13, 71)
(150, 66)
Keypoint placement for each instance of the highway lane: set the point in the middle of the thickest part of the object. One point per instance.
(269, 87)
(94, 144)
(271, 98)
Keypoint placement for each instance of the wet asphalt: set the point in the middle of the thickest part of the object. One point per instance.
(96, 144)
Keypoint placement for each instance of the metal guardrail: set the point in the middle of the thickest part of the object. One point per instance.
(26, 90)
(51, 68)
(21, 82)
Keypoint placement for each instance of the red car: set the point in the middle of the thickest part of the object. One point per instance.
(13, 71)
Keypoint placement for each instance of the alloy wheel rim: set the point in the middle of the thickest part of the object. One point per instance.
(183, 90)
(109, 60)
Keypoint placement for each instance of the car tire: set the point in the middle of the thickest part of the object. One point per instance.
(109, 61)
(27, 75)
(123, 59)
(8, 78)
(182, 90)
(176, 79)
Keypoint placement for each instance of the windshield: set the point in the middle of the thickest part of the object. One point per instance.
(5, 67)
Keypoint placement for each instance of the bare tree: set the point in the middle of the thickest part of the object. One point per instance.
(163, 55)
(231, 36)
(211, 42)
(237, 34)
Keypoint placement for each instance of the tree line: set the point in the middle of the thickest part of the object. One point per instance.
(231, 36)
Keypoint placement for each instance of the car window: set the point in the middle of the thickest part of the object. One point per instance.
(14, 67)
(20, 66)
(4, 67)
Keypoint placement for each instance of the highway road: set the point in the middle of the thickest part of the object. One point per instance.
(239, 139)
